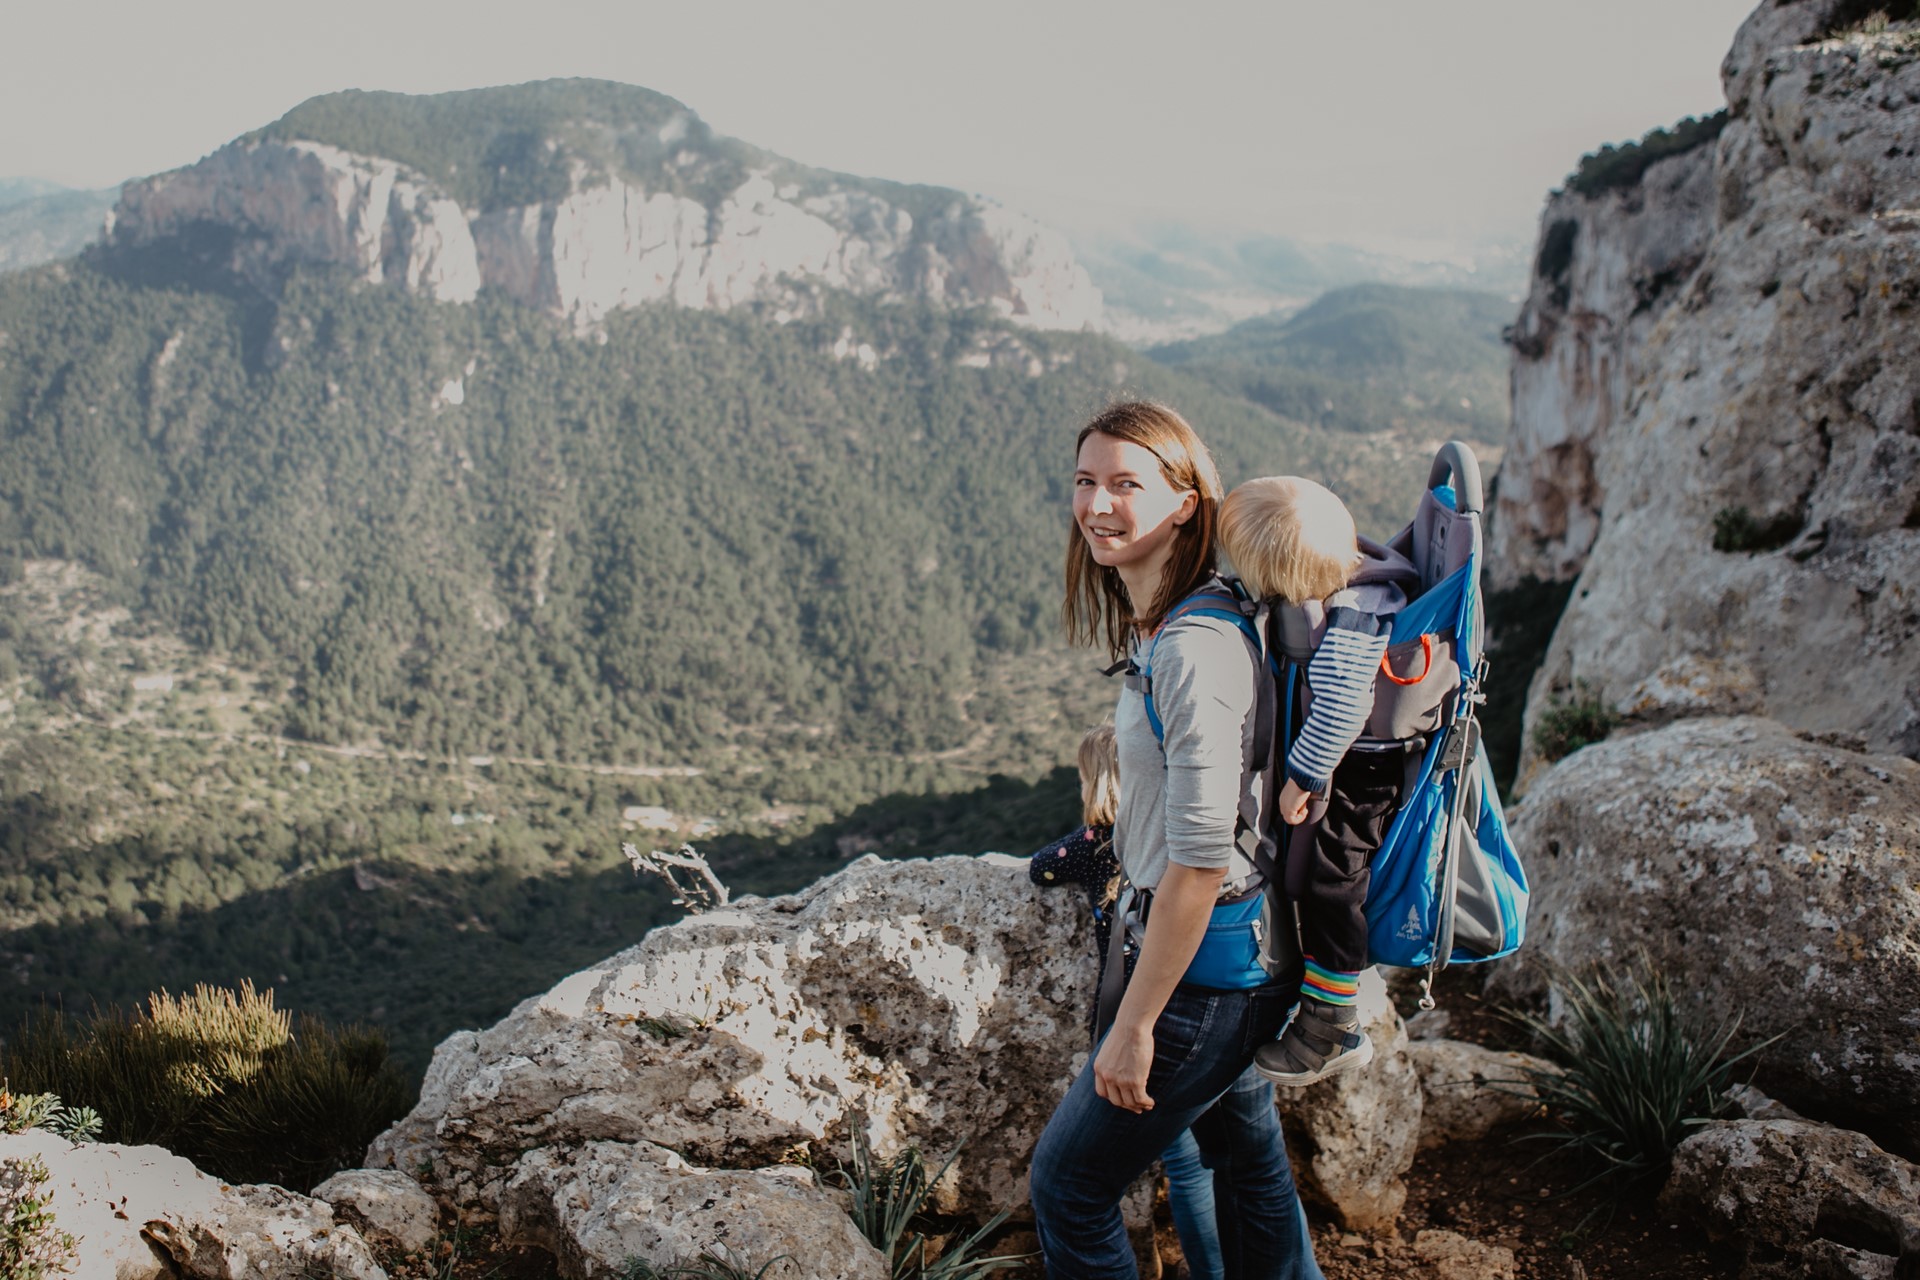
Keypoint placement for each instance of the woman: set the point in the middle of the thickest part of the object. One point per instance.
(1145, 503)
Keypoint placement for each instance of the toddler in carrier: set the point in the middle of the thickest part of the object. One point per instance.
(1292, 540)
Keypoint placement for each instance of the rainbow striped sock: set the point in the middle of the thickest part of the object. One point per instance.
(1331, 986)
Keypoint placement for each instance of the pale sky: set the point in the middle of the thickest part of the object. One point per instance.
(1395, 122)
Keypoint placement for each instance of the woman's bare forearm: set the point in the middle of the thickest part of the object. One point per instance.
(1182, 905)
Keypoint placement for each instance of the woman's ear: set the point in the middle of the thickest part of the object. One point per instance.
(1189, 503)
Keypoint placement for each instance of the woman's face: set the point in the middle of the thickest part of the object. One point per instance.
(1126, 510)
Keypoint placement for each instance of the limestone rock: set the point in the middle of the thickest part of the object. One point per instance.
(103, 1195)
(1469, 1092)
(141, 1213)
(1453, 1256)
(1606, 268)
(264, 1233)
(597, 1205)
(1771, 876)
(1354, 1135)
(932, 1002)
(287, 205)
(389, 1208)
(769, 233)
(1762, 395)
(1799, 1198)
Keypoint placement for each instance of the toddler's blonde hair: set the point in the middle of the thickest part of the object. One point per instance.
(1099, 777)
(1289, 538)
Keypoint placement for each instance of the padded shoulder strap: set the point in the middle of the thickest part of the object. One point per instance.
(1217, 599)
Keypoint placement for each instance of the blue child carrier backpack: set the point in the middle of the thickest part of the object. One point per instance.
(1447, 886)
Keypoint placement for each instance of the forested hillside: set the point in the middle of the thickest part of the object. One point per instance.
(344, 636)
(1369, 358)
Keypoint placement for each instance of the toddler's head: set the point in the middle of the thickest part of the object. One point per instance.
(1099, 777)
(1289, 538)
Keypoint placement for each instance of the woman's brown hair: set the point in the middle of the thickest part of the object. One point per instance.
(1097, 606)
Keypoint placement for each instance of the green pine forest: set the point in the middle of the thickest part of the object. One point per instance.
(344, 636)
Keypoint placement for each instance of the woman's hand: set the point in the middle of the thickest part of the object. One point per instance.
(1120, 1069)
(1182, 904)
(1293, 803)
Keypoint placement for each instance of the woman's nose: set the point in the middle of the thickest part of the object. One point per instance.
(1102, 503)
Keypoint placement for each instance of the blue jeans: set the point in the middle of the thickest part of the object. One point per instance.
(1201, 1079)
(1190, 1196)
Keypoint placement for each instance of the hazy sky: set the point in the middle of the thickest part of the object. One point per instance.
(1400, 122)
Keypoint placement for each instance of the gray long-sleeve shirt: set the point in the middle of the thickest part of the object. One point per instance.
(1180, 805)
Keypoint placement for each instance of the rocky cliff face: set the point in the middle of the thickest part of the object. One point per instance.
(701, 222)
(1715, 402)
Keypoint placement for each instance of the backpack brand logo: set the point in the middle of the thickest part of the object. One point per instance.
(1412, 931)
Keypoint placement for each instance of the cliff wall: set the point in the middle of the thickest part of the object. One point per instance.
(1715, 403)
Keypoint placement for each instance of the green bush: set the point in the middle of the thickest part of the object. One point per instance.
(1566, 727)
(221, 1077)
(1638, 1073)
(1736, 529)
(1611, 168)
(32, 1246)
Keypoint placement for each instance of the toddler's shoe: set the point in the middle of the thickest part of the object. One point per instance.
(1322, 1040)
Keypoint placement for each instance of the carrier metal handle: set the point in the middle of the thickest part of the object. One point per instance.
(1457, 459)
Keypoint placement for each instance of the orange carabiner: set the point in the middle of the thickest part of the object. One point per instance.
(1426, 649)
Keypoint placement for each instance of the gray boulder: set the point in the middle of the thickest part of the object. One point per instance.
(1799, 1199)
(598, 1205)
(1470, 1092)
(932, 1002)
(1771, 877)
(390, 1209)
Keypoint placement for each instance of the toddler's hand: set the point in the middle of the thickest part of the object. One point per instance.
(1293, 803)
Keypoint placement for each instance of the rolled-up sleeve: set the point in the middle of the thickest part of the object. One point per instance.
(1203, 690)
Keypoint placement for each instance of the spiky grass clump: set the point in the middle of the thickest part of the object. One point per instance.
(712, 1264)
(891, 1207)
(1639, 1073)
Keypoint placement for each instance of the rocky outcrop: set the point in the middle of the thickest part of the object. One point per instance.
(1799, 1199)
(929, 1002)
(389, 1209)
(1771, 877)
(1606, 268)
(598, 1206)
(935, 1003)
(264, 206)
(1715, 403)
(141, 1213)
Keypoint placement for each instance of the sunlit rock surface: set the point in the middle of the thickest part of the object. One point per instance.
(929, 1002)
(1722, 353)
(1769, 877)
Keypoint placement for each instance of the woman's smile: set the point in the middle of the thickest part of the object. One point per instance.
(1123, 505)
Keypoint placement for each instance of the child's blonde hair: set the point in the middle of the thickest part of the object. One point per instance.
(1099, 777)
(1289, 538)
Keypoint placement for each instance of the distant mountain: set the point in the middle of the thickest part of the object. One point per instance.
(578, 198)
(43, 222)
(1166, 281)
(1368, 358)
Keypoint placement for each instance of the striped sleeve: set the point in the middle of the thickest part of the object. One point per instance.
(1341, 676)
